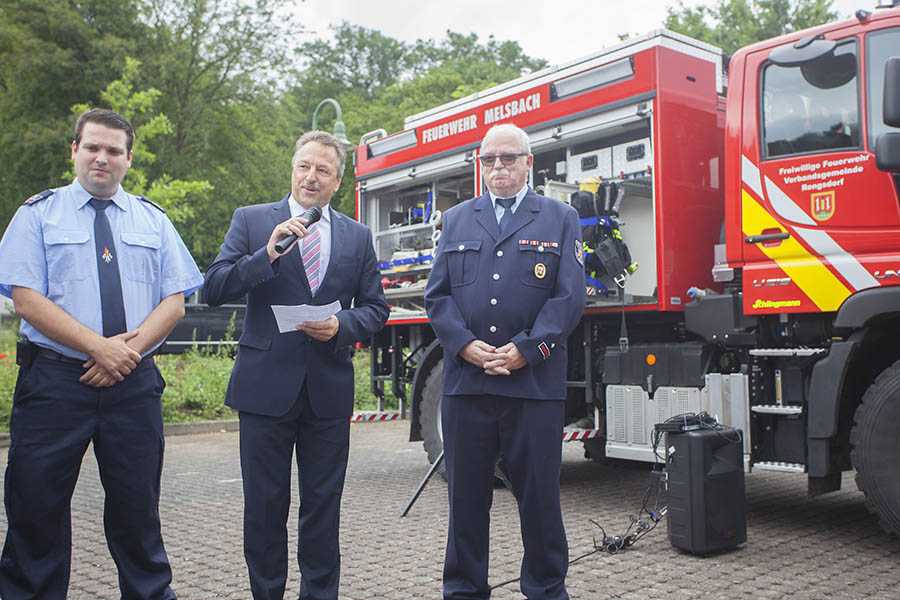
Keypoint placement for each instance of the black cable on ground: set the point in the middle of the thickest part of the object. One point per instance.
(646, 521)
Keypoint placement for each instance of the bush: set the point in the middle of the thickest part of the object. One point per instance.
(195, 386)
(195, 382)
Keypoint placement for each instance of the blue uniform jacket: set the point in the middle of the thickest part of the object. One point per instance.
(271, 367)
(526, 286)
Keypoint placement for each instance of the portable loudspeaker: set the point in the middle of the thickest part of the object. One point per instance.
(707, 506)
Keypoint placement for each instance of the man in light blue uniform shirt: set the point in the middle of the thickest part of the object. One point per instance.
(98, 277)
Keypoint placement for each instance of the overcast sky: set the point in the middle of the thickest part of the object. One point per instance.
(556, 31)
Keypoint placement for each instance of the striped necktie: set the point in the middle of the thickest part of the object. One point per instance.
(312, 245)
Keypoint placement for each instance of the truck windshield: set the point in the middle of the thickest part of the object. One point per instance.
(812, 107)
(881, 46)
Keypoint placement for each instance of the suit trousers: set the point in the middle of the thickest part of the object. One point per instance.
(268, 445)
(527, 435)
(54, 418)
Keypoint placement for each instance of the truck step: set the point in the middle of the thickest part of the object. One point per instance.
(777, 409)
(787, 351)
(784, 467)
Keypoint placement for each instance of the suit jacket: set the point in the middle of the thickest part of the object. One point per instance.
(526, 286)
(271, 367)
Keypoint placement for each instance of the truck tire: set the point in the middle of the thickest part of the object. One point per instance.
(430, 415)
(875, 441)
(595, 449)
(430, 423)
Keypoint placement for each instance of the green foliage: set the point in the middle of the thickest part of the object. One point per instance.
(53, 54)
(176, 196)
(733, 24)
(195, 386)
(218, 65)
(8, 370)
(195, 381)
(366, 400)
(220, 94)
(378, 80)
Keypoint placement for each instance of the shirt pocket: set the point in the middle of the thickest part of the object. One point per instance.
(462, 261)
(539, 265)
(140, 256)
(67, 252)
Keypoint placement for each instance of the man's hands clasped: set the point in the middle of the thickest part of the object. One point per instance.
(112, 359)
(495, 361)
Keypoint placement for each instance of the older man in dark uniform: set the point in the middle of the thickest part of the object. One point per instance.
(506, 290)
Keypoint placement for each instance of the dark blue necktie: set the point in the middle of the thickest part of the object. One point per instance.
(111, 304)
(506, 203)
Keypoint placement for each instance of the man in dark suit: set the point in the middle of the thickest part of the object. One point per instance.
(506, 290)
(296, 389)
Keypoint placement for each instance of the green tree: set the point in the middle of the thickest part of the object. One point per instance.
(208, 53)
(176, 196)
(733, 24)
(53, 54)
(390, 80)
(220, 66)
(352, 58)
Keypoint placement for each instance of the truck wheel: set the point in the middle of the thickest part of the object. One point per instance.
(875, 439)
(430, 416)
(430, 423)
(595, 449)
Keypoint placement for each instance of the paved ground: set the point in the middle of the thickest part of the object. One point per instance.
(797, 548)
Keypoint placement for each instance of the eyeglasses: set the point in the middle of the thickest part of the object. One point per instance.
(507, 160)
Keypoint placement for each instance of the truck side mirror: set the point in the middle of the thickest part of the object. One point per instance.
(887, 150)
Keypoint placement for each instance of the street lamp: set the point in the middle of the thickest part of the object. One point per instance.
(340, 130)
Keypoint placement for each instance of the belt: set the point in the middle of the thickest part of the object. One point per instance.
(54, 355)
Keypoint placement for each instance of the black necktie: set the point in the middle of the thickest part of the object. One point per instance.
(111, 304)
(506, 203)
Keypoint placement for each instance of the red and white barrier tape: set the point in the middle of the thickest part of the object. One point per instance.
(575, 435)
(373, 417)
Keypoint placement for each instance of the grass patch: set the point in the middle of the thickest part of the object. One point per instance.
(195, 382)
(9, 370)
(195, 386)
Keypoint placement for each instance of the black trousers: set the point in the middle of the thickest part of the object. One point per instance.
(267, 449)
(54, 418)
(527, 434)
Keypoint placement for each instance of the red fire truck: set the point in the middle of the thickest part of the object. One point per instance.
(746, 244)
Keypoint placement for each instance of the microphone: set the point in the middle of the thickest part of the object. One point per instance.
(311, 215)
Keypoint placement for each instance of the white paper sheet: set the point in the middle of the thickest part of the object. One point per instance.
(288, 317)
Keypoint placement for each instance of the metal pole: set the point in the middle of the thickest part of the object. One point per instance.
(434, 467)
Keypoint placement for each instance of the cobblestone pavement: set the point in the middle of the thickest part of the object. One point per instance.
(797, 548)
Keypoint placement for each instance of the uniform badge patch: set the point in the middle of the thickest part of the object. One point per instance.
(540, 270)
(579, 252)
(544, 350)
(38, 197)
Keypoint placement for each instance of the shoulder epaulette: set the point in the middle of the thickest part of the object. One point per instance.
(39, 196)
(152, 203)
